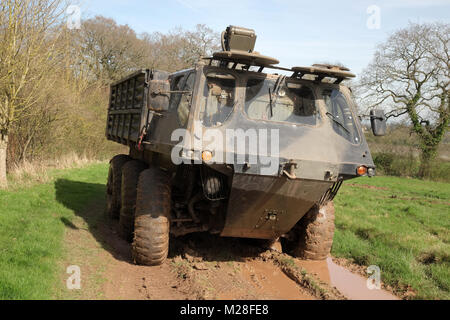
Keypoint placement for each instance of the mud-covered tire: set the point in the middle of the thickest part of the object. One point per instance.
(151, 225)
(130, 177)
(114, 185)
(314, 233)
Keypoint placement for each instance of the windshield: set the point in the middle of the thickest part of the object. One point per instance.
(217, 99)
(280, 100)
(340, 114)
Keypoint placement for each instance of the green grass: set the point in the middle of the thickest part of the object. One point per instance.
(401, 225)
(32, 223)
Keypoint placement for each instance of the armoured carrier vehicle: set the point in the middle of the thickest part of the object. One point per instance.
(229, 149)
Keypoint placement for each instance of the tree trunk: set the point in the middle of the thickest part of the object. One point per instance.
(3, 147)
(427, 157)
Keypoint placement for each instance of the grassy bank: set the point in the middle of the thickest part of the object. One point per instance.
(32, 223)
(401, 225)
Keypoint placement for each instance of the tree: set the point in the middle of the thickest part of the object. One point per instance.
(108, 51)
(165, 51)
(180, 49)
(200, 43)
(104, 51)
(410, 76)
(27, 54)
(54, 81)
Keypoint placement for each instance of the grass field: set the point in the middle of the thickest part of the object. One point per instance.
(401, 225)
(32, 223)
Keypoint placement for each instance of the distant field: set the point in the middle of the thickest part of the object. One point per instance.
(401, 225)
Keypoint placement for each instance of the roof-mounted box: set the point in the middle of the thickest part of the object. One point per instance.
(238, 39)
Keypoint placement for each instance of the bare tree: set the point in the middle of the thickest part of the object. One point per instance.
(107, 51)
(27, 43)
(165, 51)
(180, 49)
(200, 43)
(410, 76)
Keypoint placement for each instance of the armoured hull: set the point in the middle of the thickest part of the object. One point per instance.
(265, 207)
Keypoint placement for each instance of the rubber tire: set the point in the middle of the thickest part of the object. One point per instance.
(315, 232)
(114, 185)
(130, 178)
(152, 225)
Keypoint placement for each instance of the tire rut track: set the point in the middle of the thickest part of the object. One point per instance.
(200, 266)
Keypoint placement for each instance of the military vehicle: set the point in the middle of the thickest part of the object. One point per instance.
(228, 149)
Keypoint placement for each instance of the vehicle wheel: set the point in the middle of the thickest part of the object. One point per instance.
(114, 185)
(313, 234)
(151, 225)
(130, 177)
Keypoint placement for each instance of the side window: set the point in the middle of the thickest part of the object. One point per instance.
(175, 85)
(185, 100)
(340, 114)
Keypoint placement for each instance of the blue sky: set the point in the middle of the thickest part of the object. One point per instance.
(295, 32)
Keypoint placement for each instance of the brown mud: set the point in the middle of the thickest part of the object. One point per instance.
(199, 266)
(366, 186)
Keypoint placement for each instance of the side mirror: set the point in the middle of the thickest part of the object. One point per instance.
(159, 95)
(378, 122)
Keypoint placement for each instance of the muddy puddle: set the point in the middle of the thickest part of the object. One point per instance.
(351, 285)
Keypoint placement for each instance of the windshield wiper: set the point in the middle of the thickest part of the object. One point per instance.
(333, 117)
(271, 104)
(273, 94)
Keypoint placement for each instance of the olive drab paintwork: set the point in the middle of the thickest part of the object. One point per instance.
(319, 145)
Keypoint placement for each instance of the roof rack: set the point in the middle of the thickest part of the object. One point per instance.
(238, 44)
(247, 59)
(321, 71)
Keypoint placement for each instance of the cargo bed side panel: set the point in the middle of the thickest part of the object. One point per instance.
(127, 108)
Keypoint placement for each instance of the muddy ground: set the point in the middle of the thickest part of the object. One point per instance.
(199, 266)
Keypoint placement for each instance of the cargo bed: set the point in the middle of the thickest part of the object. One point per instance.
(128, 106)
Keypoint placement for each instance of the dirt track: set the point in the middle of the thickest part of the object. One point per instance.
(199, 267)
